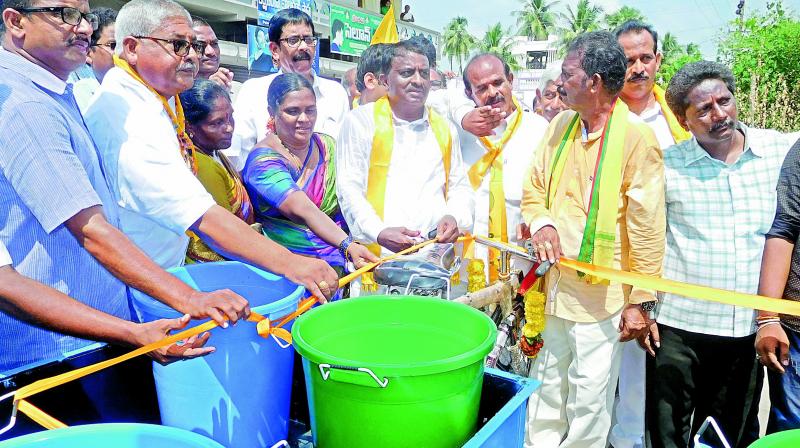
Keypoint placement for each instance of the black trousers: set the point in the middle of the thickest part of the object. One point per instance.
(696, 375)
(123, 393)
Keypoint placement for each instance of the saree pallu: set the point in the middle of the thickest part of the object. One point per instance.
(269, 178)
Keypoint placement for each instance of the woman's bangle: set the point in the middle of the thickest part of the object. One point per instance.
(344, 245)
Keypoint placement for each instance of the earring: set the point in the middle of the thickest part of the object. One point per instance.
(271, 125)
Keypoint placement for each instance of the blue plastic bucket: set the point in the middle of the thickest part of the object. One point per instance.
(117, 435)
(240, 394)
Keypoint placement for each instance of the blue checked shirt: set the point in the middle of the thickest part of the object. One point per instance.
(717, 216)
(49, 172)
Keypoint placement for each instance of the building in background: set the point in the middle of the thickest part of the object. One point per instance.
(534, 57)
(230, 18)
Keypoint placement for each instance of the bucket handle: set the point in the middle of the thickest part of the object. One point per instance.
(325, 370)
(13, 420)
(281, 444)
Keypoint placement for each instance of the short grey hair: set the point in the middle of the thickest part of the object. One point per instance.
(551, 74)
(144, 17)
(689, 76)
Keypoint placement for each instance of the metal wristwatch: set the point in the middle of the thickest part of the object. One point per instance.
(648, 306)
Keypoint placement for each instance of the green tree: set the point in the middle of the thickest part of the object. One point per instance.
(674, 56)
(536, 19)
(585, 17)
(763, 53)
(458, 42)
(622, 15)
(670, 46)
(497, 41)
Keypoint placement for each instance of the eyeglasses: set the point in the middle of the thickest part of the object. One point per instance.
(180, 46)
(111, 45)
(70, 16)
(294, 41)
(437, 84)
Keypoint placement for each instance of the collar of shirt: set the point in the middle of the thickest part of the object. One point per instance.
(314, 83)
(697, 153)
(651, 113)
(415, 125)
(27, 69)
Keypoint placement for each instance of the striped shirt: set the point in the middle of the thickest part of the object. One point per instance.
(48, 173)
(717, 216)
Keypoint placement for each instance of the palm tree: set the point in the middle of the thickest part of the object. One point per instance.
(693, 49)
(536, 18)
(670, 46)
(585, 17)
(497, 41)
(457, 41)
(624, 14)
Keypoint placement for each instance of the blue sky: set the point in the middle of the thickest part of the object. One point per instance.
(698, 21)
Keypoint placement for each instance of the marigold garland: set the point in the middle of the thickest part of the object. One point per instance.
(532, 340)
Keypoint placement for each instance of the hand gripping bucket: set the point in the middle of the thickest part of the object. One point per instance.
(393, 371)
(239, 395)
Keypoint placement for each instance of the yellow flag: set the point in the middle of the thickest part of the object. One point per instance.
(387, 30)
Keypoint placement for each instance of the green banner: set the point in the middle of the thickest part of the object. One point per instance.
(351, 30)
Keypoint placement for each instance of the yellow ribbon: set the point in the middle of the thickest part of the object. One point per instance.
(678, 132)
(381, 157)
(178, 121)
(493, 159)
(264, 327)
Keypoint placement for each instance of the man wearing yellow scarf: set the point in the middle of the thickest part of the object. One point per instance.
(136, 121)
(400, 171)
(646, 100)
(497, 163)
(595, 193)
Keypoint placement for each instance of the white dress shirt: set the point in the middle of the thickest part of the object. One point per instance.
(251, 115)
(414, 183)
(517, 157)
(655, 119)
(5, 258)
(158, 196)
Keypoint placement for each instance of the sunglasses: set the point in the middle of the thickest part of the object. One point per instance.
(70, 16)
(180, 46)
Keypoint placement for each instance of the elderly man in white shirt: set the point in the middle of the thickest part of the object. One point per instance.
(400, 171)
(497, 164)
(134, 120)
(292, 42)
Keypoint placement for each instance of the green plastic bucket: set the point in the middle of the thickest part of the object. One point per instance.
(393, 371)
(783, 439)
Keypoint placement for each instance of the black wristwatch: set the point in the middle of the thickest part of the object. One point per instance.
(648, 306)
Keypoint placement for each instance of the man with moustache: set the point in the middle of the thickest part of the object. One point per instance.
(595, 193)
(58, 222)
(293, 43)
(209, 60)
(548, 103)
(400, 171)
(497, 164)
(137, 123)
(721, 200)
(100, 57)
(646, 100)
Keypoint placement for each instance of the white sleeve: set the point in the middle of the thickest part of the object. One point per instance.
(245, 133)
(5, 258)
(154, 181)
(460, 106)
(353, 150)
(461, 197)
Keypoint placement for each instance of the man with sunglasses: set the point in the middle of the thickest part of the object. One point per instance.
(136, 121)
(100, 57)
(58, 221)
(293, 44)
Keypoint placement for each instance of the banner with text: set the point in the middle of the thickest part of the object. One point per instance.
(351, 30)
(268, 8)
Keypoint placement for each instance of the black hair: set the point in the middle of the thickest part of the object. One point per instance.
(284, 84)
(198, 101)
(689, 76)
(288, 16)
(376, 59)
(199, 21)
(406, 46)
(105, 17)
(427, 46)
(506, 67)
(13, 4)
(337, 26)
(601, 54)
(635, 26)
